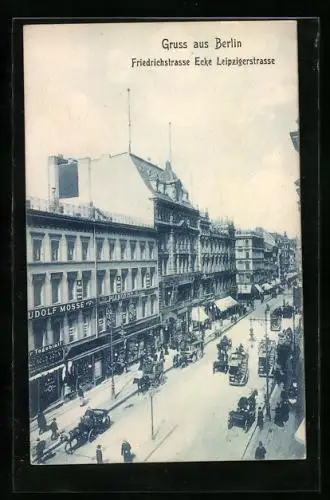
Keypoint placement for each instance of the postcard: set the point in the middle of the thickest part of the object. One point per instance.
(163, 236)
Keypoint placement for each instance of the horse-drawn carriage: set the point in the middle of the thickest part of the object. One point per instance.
(93, 422)
(266, 358)
(189, 354)
(245, 414)
(284, 347)
(221, 365)
(238, 367)
(152, 375)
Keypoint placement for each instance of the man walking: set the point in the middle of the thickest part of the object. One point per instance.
(126, 451)
(260, 418)
(260, 453)
(99, 454)
(54, 428)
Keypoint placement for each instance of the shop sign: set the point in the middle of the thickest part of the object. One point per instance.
(45, 312)
(46, 356)
(118, 284)
(148, 283)
(79, 290)
(125, 295)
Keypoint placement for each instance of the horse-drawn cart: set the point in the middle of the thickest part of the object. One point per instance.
(152, 375)
(189, 354)
(221, 364)
(245, 414)
(238, 367)
(94, 422)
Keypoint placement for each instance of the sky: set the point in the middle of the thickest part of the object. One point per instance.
(230, 141)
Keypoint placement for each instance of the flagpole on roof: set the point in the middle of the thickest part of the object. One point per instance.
(129, 120)
(170, 142)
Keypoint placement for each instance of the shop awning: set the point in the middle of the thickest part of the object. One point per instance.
(267, 287)
(258, 288)
(198, 314)
(46, 372)
(291, 275)
(300, 433)
(226, 303)
(244, 289)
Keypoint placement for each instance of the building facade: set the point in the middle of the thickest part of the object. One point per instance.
(92, 290)
(271, 259)
(249, 262)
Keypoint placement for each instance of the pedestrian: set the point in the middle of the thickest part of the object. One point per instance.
(99, 455)
(42, 424)
(260, 418)
(260, 453)
(40, 449)
(54, 428)
(126, 451)
(278, 420)
(80, 393)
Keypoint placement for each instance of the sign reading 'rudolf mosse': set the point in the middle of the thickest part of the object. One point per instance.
(44, 312)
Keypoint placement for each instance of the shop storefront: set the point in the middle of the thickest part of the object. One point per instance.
(45, 381)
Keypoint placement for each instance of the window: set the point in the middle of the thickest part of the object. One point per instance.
(72, 323)
(123, 250)
(152, 276)
(39, 334)
(133, 250)
(57, 326)
(99, 249)
(71, 289)
(112, 249)
(247, 243)
(84, 249)
(124, 274)
(85, 286)
(38, 293)
(86, 326)
(144, 307)
(113, 276)
(101, 321)
(134, 278)
(56, 291)
(100, 282)
(70, 249)
(247, 265)
(142, 250)
(36, 246)
(247, 255)
(151, 249)
(55, 248)
(152, 305)
(143, 277)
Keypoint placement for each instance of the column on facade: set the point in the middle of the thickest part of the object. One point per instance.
(171, 244)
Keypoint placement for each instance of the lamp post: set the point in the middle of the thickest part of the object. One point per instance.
(267, 369)
(110, 326)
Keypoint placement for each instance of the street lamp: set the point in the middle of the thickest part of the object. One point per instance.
(110, 326)
(267, 368)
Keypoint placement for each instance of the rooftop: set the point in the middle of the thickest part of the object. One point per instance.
(88, 212)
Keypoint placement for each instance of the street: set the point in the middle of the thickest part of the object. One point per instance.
(190, 410)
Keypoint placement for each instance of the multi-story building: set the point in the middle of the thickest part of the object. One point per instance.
(287, 248)
(159, 198)
(271, 267)
(92, 289)
(249, 262)
(216, 262)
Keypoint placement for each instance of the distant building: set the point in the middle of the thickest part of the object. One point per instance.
(271, 264)
(249, 264)
(91, 277)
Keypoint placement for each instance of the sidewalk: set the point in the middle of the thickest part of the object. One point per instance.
(279, 442)
(68, 414)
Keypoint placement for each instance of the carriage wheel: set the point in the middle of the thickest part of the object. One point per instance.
(107, 422)
(68, 448)
(92, 435)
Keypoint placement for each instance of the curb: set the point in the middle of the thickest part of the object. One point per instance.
(126, 398)
(256, 425)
